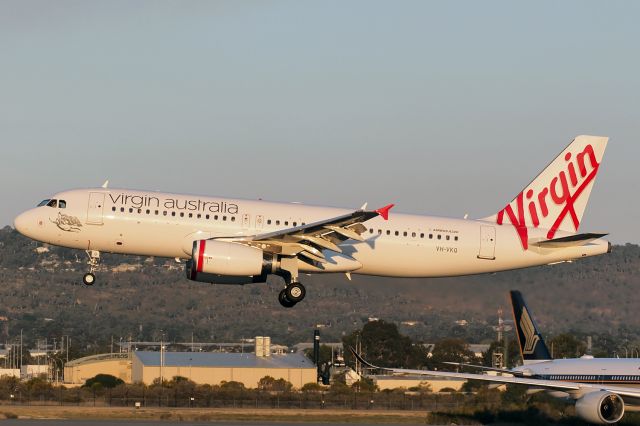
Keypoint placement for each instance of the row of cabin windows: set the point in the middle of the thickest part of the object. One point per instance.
(196, 215)
(174, 214)
(593, 378)
(573, 377)
(269, 221)
(414, 234)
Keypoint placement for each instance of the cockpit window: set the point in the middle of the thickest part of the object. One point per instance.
(62, 204)
(53, 203)
(44, 202)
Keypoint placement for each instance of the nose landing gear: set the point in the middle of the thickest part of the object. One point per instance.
(88, 278)
(94, 260)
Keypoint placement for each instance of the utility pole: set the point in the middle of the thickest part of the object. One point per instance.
(21, 350)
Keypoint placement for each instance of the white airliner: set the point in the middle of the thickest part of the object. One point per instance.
(599, 386)
(233, 241)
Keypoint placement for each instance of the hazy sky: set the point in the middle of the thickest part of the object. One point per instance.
(443, 108)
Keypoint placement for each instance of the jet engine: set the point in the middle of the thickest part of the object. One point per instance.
(223, 262)
(601, 408)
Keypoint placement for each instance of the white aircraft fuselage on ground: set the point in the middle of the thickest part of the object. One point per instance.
(239, 241)
(600, 387)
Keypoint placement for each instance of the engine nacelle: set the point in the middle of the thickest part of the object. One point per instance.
(601, 408)
(223, 262)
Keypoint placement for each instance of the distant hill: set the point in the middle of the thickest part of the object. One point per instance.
(42, 293)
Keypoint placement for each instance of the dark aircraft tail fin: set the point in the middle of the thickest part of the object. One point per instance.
(532, 346)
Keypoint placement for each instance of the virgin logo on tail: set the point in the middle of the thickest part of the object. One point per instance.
(563, 190)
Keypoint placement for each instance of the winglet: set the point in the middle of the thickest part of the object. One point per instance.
(384, 211)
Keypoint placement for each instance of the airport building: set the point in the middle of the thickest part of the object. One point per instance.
(215, 367)
(115, 364)
(201, 367)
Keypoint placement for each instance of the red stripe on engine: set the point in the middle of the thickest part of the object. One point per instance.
(201, 256)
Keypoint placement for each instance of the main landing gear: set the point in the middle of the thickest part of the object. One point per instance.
(292, 294)
(94, 260)
(293, 291)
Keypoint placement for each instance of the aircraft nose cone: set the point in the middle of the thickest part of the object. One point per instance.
(21, 224)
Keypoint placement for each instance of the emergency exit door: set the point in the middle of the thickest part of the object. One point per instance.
(487, 243)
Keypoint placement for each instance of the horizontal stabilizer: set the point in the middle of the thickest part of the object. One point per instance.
(570, 241)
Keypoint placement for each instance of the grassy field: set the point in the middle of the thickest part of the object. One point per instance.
(218, 414)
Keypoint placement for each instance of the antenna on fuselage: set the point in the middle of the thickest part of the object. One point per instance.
(105, 184)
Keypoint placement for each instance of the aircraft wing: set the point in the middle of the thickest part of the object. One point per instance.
(630, 395)
(485, 368)
(310, 239)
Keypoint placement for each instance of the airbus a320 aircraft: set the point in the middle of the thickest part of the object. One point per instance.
(233, 241)
(600, 387)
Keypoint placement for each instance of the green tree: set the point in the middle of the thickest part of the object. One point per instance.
(312, 387)
(451, 350)
(365, 384)
(268, 383)
(104, 380)
(566, 345)
(383, 345)
(324, 355)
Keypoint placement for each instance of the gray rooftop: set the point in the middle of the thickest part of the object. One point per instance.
(221, 359)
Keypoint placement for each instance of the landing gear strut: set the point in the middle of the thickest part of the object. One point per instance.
(94, 260)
